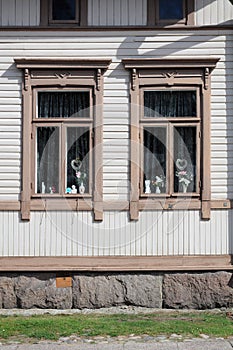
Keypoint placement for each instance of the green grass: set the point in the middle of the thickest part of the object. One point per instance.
(52, 327)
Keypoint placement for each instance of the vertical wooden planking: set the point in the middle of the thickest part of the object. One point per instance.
(138, 12)
(103, 12)
(230, 233)
(19, 13)
(214, 13)
(117, 13)
(1, 12)
(26, 12)
(132, 6)
(96, 12)
(68, 234)
(158, 232)
(2, 231)
(225, 230)
(172, 233)
(110, 12)
(199, 12)
(144, 12)
(124, 12)
(64, 233)
(90, 12)
(33, 12)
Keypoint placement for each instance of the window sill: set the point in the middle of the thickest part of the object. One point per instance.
(61, 203)
(169, 204)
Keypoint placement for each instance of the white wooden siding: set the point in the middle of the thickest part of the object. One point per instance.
(116, 98)
(156, 233)
(213, 12)
(117, 12)
(19, 12)
(112, 12)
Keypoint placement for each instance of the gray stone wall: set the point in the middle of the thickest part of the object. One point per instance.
(95, 290)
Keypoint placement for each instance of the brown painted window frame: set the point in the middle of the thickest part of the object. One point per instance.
(47, 20)
(61, 73)
(170, 72)
(169, 124)
(153, 14)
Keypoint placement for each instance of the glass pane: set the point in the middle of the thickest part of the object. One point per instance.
(185, 159)
(47, 160)
(171, 9)
(170, 104)
(63, 10)
(155, 140)
(63, 104)
(78, 172)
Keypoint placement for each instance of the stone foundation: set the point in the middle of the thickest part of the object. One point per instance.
(96, 290)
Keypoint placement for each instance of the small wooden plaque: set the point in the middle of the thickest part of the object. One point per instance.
(63, 282)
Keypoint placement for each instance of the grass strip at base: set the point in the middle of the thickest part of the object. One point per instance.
(53, 327)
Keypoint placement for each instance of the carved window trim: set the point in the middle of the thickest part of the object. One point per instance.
(153, 14)
(63, 73)
(158, 72)
(46, 15)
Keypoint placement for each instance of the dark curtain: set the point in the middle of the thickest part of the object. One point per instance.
(170, 103)
(185, 149)
(48, 159)
(63, 104)
(154, 153)
(78, 147)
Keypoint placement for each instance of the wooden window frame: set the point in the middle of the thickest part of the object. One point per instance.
(153, 14)
(169, 124)
(47, 20)
(61, 74)
(170, 72)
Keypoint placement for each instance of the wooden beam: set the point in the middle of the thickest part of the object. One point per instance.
(118, 263)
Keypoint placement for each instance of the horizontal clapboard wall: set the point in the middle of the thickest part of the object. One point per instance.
(116, 99)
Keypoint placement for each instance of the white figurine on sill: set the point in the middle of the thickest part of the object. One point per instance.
(147, 185)
(74, 189)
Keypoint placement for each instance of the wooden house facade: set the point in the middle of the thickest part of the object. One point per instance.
(106, 95)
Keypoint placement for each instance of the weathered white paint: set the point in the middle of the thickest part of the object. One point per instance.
(156, 233)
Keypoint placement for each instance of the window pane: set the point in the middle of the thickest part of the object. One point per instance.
(171, 9)
(185, 159)
(155, 140)
(78, 147)
(47, 160)
(63, 104)
(63, 10)
(170, 104)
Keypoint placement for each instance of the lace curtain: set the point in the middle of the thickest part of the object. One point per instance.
(61, 104)
(170, 104)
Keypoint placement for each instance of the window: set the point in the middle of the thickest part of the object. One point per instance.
(170, 134)
(170, 125)
(63, 12)
(62, 135)
(166, 12)
(63, 124)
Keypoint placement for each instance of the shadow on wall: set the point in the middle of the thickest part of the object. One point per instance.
(163, 48)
